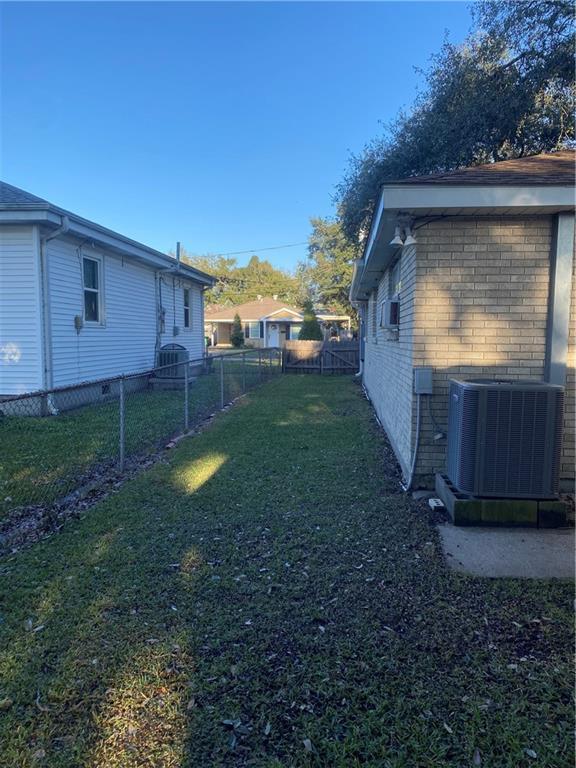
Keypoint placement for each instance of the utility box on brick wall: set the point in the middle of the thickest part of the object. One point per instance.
(423, 384)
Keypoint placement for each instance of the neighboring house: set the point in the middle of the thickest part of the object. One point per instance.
(484, 286)
(79, 302)
(266, 322)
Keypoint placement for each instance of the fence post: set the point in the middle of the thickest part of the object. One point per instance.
(221, 381)
(243, 372)
(186, 414)
(122, 425)
(259, 365)
(270, 362)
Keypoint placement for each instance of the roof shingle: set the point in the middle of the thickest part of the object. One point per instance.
(10, 195)
(250, 310)
(549, 169)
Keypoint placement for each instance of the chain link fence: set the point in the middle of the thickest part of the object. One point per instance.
(55, 442)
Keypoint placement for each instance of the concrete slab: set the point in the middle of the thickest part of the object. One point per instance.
(526, 553)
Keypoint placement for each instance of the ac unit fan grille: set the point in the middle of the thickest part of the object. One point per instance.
(504, 438)
(515, 455)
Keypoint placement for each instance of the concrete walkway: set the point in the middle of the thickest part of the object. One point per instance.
(519, 553)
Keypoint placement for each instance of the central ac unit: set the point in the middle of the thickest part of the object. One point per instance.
(170, 361)
(505, 438)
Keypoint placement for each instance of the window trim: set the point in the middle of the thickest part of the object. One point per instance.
(374, 314)
(294, 331)
(187, 307)
(395, 286)
(247, 330)
(99, 260)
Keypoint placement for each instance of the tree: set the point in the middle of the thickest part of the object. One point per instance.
(236, 285)
(508, 91)
(259, 277)
(330, 266)
(237, 334)
(310, 330)
(539, 34)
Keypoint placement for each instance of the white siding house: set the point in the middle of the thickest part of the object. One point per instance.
(79, 302)
(20, 326)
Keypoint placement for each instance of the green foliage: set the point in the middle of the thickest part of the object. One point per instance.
(310, 330)
(237, 334)
(236, 285)
(45, 458)
(508, 91)
(176, 621)
(328, 273)
(539, 34)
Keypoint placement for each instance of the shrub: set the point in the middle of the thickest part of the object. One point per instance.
(237, 335)
(310, 330)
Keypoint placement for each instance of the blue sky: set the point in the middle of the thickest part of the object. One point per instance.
(223, 125)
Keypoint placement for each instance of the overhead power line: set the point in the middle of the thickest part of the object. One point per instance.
(254, 250)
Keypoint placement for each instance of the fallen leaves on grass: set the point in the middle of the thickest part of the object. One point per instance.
(356, 654)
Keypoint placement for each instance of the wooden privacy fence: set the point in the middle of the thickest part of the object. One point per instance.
(321, 357)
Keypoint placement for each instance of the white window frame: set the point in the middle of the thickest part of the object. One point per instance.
(187, 308)
(99, 291)
(250, 325)
(293, 333)
(374, 314)
(395, 278)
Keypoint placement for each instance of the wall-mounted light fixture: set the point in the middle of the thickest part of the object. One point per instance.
(397, 240)
(403, 226)
(410, 239)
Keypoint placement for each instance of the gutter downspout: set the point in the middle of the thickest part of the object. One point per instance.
(558, 320)
(361, 307)
(158, 302)
(48, 372)
(204, 347)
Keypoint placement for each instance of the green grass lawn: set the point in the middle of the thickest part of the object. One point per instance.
(268, 598)
(44, 458)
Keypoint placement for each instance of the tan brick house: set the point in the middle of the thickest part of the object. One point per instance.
(469, 273)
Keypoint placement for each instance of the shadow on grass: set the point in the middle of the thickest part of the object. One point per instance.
(268, 587)
(44, 458)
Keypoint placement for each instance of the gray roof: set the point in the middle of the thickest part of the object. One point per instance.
(10, 195)
(15, 199)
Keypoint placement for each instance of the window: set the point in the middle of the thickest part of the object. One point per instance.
(295, 330)
(186, 307)
(92, 283)
(374, 312)
(395, 280)
(390, 314)
(252, 331)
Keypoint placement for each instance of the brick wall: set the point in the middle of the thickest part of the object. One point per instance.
(480, 310)
(388, 360)
(569, 451)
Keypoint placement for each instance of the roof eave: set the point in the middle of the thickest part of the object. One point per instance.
(445, 200)
(51, 216)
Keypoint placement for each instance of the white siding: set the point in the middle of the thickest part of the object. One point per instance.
(173, 303)
(20, 312)
(125, 342)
